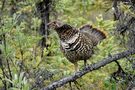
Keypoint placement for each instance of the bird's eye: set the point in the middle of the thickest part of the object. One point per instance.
(54, 22)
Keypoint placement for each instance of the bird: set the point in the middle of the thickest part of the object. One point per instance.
(77, 43)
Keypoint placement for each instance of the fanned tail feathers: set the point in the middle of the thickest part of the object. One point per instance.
(95, 34)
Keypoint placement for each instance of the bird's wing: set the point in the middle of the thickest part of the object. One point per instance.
(70, 44)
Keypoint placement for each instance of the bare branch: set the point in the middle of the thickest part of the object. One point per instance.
(89, 68)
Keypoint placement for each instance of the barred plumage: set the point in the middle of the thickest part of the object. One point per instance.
(77, 44)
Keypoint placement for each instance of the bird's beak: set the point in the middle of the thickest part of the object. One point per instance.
(48, 25)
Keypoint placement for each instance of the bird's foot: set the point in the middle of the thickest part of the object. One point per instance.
(76, 67)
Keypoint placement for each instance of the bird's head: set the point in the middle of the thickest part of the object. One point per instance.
(60, 27)
(55, 24)
(64, 30)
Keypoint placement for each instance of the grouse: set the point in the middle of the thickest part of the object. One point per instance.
(77, 44)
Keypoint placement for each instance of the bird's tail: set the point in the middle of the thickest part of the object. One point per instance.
(95, 34)
(100, 35)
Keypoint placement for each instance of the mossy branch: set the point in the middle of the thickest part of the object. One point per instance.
(89, 68)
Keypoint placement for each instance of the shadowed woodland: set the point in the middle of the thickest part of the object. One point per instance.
(30, 55)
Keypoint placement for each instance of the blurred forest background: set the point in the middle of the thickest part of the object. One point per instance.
(30, 58)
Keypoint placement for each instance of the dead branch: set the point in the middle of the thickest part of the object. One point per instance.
(89, 68)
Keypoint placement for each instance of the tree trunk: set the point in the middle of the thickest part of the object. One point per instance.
(43, 8)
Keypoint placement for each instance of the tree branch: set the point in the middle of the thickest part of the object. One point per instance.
(89, 68)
